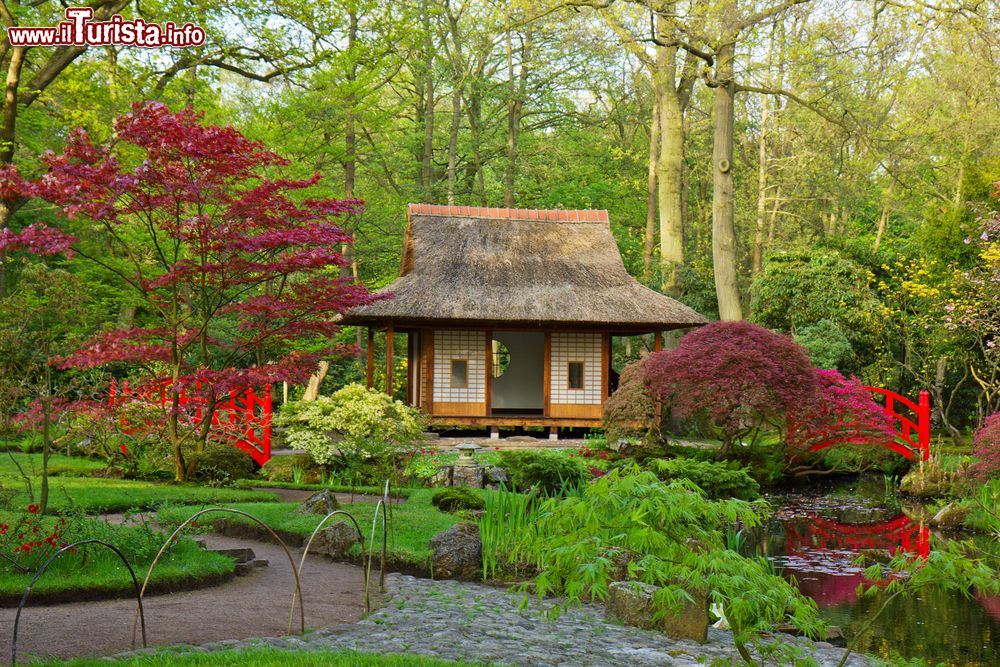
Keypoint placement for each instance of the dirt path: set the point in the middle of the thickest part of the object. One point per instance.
(256, 605)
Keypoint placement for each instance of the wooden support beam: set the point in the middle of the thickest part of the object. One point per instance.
(371, 357)
(657, 340)
(388, 359)
(489, 372)
(605, 366)
(428, 384)
(546, 372)
(410, 366)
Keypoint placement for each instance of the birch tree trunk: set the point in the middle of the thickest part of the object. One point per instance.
(723, 225)
(649, 237)
(670, 165)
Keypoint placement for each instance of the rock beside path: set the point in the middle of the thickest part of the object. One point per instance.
(457, 552)
(335, 540)
(322, 502)
(631, 602)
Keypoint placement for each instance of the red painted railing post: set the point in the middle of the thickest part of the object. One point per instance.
(924, 423)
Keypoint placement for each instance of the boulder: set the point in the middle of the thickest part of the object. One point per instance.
(950, 516)
(322, 502)
(335, 540)
(631, 602)
(442, 477)
(926, 481)
(457, 552)
(495, 476)
(470, 476)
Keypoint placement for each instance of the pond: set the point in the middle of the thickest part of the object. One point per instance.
(815, 535)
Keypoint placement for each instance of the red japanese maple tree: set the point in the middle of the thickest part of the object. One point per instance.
(736, 377)
(235, 272)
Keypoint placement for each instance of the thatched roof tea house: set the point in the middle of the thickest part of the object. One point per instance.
(510, 314)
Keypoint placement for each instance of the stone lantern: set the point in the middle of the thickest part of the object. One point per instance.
(467, 453)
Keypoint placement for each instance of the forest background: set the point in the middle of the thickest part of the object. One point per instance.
(823, 168)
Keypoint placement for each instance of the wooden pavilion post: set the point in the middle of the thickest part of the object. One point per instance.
(488, 380)
(657, 340)
(371, 357)
(388, 359)
(410, 368)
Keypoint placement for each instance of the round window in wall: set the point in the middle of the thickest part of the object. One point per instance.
(501, 358)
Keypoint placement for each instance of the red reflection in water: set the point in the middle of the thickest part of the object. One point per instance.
(991, 603)
(898, 534)
(819, 553)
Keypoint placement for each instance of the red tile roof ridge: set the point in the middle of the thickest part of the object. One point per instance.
(550, 214)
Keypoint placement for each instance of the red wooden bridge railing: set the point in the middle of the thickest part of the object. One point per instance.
(913, 431)
(243, 418)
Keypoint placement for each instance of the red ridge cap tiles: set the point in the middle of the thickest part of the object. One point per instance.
(548, 215)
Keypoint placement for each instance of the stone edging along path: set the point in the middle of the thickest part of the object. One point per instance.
(463, 621)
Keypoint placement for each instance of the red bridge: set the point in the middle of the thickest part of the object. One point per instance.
(913, 429)
(243, 419)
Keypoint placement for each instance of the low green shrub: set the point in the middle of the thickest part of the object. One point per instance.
(297, 468)
(718, 479)
(672, 538)
(360, 434)
(457, 498)
(223, 464)
(548, 472)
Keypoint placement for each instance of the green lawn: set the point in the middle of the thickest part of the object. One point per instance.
(71, 488)
(269, 657)
(59, 464)
(336, 488)
(96, 569)
(98, 495)
(416, 522)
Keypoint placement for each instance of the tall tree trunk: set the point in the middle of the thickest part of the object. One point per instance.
(649, 237)
(762, 165)
(456, 115)
(670, 165)
(7, 137)
(9, 128)
(350, 101)
(316, 379)
(458, 85)
(426, 173)
(883, 219)
(758, 238)
(723, 225)
(774, 216)
(515, 108)
(473, 110)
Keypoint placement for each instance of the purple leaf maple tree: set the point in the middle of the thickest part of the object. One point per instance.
(235, 272)
(737, 377)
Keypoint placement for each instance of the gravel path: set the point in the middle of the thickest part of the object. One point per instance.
(461, 621)
(252, 606)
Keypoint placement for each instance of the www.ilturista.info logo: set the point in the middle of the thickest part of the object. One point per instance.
(79, 30)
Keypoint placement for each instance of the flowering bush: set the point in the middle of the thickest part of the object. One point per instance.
(353, 428)
(28, 541)
(986, 447)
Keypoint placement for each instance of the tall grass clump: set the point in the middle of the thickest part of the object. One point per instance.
(506, 521)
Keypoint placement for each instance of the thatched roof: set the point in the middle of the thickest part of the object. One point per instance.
(470, 265)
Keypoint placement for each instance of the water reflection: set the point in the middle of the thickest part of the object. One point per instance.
(815, 539)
